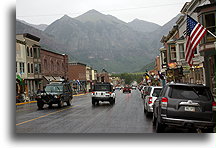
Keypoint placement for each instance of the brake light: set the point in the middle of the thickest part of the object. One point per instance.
(150, 100)
(109, 93)
(214, 106)
(164, 102)
(93, 93)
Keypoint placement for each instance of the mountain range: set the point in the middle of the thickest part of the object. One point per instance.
(102, 41)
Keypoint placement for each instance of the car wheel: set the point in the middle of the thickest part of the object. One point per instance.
(50, 105)
(208, 130)
(40, 104)
(93, 102)
(60, 103)
(153, 120)
(159, 127)
(112, 101)
(69, 102)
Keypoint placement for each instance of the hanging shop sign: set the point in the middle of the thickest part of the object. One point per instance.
(172, 65)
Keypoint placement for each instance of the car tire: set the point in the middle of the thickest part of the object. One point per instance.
(153, 120)
(50, 105)
(60, 103)
(159, 127)
(40, 105)
(93, 102)
(69, 102)
(112, 101)
(208, 130)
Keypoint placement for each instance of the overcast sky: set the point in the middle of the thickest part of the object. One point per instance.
(47, 11)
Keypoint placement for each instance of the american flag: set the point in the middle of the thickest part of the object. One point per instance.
(195, 33)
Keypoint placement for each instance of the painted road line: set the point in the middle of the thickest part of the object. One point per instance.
(26, 102)
(44, 116)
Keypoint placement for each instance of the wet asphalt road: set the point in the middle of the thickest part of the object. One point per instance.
(126, 116)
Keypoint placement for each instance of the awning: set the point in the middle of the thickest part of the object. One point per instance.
(49, 78)
(58, 78)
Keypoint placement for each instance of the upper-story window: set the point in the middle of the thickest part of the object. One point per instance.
(209, 23)
(27, 50)
(45, 64)
(31, 52)
(181, 51)
(22, 67)
(35, 53)
(173, 52)
(52, 66)
(29, 69)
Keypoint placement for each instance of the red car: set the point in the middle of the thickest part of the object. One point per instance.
(127, 89)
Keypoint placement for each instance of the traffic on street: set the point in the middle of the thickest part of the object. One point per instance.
(125, 116)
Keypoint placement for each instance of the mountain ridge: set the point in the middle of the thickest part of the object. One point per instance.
(102, 41)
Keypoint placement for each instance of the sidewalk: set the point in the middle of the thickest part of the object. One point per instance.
(36, 101)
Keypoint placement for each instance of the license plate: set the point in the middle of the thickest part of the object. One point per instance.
(190, 109)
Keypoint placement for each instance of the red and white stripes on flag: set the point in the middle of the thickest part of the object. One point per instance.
(195, 33)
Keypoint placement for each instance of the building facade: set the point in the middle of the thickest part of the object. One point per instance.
(33, 80)
(54, 66)
(206, 13)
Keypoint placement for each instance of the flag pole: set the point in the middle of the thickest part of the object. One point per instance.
(211, 33)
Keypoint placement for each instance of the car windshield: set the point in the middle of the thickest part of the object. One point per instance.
(54, 88)
(156, 92)
(102, 88)
(193, 93)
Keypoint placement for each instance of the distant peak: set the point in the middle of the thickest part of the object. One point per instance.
(93, 11)
(65, 16)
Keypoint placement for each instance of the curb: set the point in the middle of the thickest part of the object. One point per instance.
(36, 101)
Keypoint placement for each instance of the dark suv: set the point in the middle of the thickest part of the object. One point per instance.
(55, 93)
(184, 105)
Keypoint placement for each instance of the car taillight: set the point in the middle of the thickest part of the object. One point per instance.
(150, 100)
(109, 93)
(93, 93)
(164, 102)
(214, 106)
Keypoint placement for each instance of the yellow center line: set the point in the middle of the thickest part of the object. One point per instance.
(44, 116)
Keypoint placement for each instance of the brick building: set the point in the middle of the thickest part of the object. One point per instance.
(54, 66)
(77, 74)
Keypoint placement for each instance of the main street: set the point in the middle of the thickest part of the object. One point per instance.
(126, 116)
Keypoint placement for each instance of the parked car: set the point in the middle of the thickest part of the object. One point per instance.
(146, 91)
(118, 88)
(55, 93)
(133, 87)
(185, 105)
(127, 89)
(103, 92)
(140, 87)
(150, 98)
(142, 91)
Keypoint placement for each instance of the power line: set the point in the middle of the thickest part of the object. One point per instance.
(163, 5)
